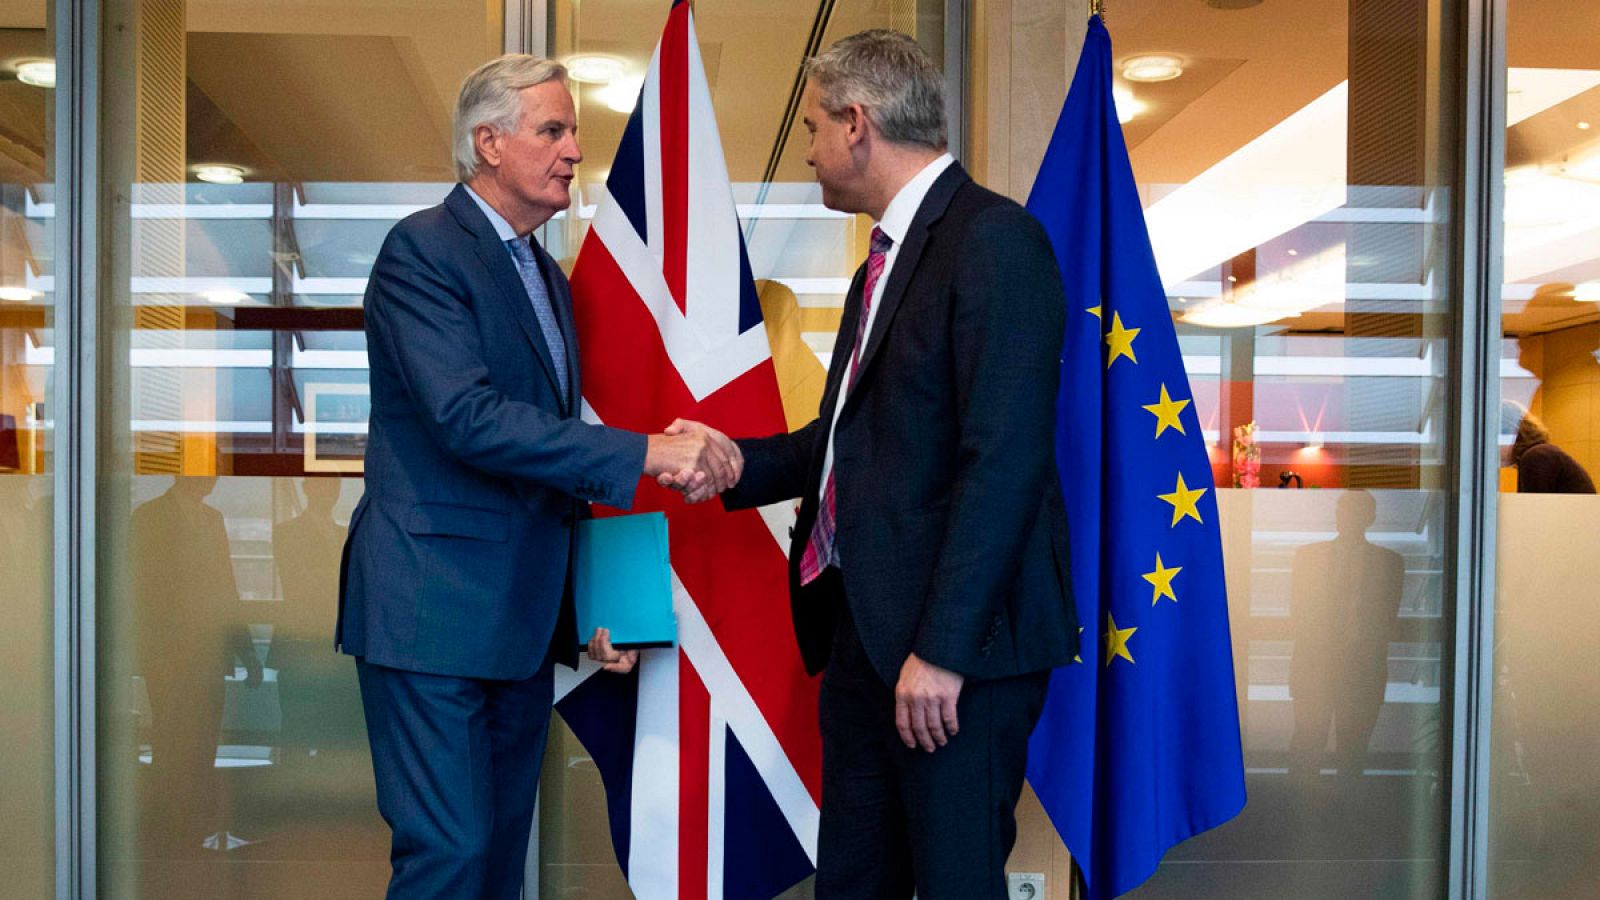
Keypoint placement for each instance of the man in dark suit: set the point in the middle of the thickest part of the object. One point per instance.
(455, 584)
(928, 567)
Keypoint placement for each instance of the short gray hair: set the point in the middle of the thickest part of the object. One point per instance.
(492, 95)
(891, 78)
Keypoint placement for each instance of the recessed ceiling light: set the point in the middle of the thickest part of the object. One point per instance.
(37, 72)
(18, 294)
(622, 94)
(592, 68)
(1587, 292)
(1128, 106)
(1583, 126)
(1152, 68)
(219, 174)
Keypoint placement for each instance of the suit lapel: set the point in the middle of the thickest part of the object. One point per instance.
(502, 271)
(905, 262)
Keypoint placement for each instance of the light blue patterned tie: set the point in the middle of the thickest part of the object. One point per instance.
(539, 296)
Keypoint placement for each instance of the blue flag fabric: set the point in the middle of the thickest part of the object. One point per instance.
(1138, 746)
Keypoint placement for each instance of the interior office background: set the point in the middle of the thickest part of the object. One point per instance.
(1376, 220)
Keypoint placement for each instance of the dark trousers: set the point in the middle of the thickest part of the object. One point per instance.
(895, 819)
(457, 766)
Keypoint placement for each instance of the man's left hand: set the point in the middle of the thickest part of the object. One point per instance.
(925, 704)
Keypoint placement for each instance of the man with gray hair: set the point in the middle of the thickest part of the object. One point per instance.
(928, 567)
(455, 590)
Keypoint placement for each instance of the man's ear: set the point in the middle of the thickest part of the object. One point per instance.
(487, 141)
(855, 124)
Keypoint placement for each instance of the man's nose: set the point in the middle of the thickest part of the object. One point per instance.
(574, 153)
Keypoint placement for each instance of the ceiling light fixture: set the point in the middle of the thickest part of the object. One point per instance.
(18, 294)
(1128, 106)
(40, 73)
(622, 94)
(1152, 68)
(219, 174)
(1587, 292)
(224, 296)
(592, 68)
(1583, 126)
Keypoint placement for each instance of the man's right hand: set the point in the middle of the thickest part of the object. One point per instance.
(693, 458)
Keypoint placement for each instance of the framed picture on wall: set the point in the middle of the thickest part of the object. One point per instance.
(336, 426)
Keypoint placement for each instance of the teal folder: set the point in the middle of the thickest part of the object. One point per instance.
(624, 581)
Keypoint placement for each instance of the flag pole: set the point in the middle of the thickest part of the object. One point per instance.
(1097, 8)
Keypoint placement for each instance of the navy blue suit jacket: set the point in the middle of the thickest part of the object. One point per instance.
(951, 527)
(477, 467)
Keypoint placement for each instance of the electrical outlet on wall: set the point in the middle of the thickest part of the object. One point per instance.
(1025, 885)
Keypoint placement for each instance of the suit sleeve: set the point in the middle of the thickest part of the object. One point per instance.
(422, 321)
(1008, 319)
(775, 468)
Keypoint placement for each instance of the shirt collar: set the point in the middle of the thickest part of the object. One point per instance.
(501, 226)
(903, 208)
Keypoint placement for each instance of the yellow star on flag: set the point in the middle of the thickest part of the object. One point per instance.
(1161, 580)
(1183, 502)
(1095, 311)
(1120, 340)
(1117, 640)
(1167, 412)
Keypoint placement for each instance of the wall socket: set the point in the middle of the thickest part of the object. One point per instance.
(1025, 885)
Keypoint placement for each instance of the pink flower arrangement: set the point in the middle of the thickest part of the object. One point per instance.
(1246, 457)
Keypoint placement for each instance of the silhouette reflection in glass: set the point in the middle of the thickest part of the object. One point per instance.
(1345, 602)
(191, 634)
(1542, 467)
(317, 692)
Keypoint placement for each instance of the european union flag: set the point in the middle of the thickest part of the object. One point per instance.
(1138, 747)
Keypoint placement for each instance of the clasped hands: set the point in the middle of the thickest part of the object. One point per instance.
(694, 459)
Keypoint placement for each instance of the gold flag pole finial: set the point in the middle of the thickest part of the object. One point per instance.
(1097, 8)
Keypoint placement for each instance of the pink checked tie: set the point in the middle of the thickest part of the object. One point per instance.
(819, 549)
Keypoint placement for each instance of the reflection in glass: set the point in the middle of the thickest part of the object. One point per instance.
(1545, 748)
(1340, 669)
(191, 635)
(27, 357)
(231, 749)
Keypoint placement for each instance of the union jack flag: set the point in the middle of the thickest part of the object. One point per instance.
(709, 752)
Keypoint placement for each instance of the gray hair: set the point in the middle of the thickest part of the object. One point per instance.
(891, 78)
(492, 96)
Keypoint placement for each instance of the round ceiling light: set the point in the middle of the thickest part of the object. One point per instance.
(592, 68)
(219, 174)
(623, 94)
(37, 72)
(1152, 68)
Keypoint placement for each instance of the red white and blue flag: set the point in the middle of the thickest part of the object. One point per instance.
(709, 752)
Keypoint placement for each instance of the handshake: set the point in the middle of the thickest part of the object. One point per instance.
(694, 459)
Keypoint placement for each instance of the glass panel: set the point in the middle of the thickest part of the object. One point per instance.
(1546, 772)
(242, 216)
(1295, 163)
(801, 253)
(27, 357)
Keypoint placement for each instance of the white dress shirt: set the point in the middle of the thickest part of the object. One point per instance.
(896, 222)
(502, 228)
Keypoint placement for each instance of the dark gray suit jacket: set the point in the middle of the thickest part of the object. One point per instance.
(951, 528)
(477, 466)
